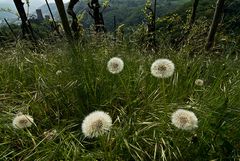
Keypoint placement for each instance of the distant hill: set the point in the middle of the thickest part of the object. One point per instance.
(9, 5)
(8, 10)
(7, 14)
(45, 10)
(128, 12)
(206, 9)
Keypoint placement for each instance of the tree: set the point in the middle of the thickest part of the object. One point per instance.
(55, 27)
(63, 16)
(214, 25)
(75, 26)
(96, 15)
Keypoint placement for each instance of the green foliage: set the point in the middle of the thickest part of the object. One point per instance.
(6, 36)
(173, 28)
(148, 15)
(205, 12)
(134, 15)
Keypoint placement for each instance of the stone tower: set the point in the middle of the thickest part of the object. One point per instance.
(39, 14)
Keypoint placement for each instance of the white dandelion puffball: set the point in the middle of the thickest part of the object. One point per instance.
(162, 68)
(59, 72)
(184, 119)
(22, 121)
(199, 82)
(96, 123)
(115, 65)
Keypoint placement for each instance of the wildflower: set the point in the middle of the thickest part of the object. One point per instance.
(96, 123)
(50, 135)
(184, 119)
(59, 72)
(141, 69)
(199, 82)
(22, 121)
(115, 65)
(190, 107)
(162, 68)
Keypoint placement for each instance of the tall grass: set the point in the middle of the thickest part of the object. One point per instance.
(140, 108)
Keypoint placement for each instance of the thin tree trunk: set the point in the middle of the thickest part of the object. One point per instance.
(96, 15)
(215, 22)
(75, 26)
(63, 16)
(194, 10)
(54, 22)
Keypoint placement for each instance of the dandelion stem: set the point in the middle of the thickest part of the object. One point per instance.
(34, 143)
(163, 88)
(164, 98)
(124, 86)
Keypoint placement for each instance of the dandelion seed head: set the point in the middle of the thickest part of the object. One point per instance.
(50, 135)
(96, 123)
(199, 82)
(22, 121)
(115, 65)
(59, 72)
(162, 68)
(184, 119)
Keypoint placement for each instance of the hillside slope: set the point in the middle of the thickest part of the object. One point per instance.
(230, 19)
(126, 12)
(5, 11)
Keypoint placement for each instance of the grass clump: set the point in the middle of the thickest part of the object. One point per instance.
(59, 87)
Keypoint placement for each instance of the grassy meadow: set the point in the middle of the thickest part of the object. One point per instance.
(59, 85)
